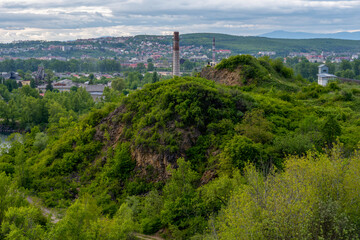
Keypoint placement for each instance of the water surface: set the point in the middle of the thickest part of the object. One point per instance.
(3, 142)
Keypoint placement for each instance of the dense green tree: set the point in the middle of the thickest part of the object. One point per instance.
(78, 220)
(32, 83)
(309, 200)
(140, 67)
(306, 69)
(155, 77)
(11, 84)
(345, 65)
(49, 86)
(91, 78)
(27, 75)
(182, 206)
(24, 223)
(356, 66)
(348, 73)
(4, 93)
(4, 111)
(151, 213)
(256, 127)
(330, 130)
(238, 151)
(21, 73)
(118, 84)
(9, 196)
(150, 66)
(188, 66)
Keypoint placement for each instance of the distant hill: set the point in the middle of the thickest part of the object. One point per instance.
(251, 45)
(305, 35)
(237, 45)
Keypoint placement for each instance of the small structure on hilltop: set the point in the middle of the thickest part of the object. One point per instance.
(324, 76)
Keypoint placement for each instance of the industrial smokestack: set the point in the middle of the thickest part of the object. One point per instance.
(213, 50)
(176, 55)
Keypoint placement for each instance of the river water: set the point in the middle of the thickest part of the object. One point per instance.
(3, 142)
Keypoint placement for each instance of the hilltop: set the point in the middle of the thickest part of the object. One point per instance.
(305, 35)
(245, 70)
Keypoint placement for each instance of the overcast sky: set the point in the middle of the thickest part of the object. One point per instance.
(73, 19)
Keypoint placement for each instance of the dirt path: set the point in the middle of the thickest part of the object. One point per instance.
(147, 237)
(46, 211)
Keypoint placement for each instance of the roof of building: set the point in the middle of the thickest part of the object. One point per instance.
(322, 65)
(94, 88)
(66, 81)
(326, 75)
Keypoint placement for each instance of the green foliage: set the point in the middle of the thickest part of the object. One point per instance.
(309, 200)
(9, 196)
(333, 86)
(118, 84)
(263, 72)
(217, 192)
(240, 150)
(150, 214)
(207, 134)
(256, 127)
(295, 143)
(24, 223)
(186, 103)
(83, 221)
(41, 141)
(235, 61)
(306, 69)
(347, 96)
(17, 219)
(4, 93)
(154, 77)
(182, 205)
(330, 130)
(120, 165)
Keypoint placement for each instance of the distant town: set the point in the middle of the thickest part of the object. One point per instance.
(130, 51)
(93, 64)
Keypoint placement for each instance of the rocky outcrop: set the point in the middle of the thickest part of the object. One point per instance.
(111, 131)
(223, 76)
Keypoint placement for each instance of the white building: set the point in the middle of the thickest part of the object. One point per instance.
(324, 76)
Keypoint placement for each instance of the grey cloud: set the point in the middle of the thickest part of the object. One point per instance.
(227, 16)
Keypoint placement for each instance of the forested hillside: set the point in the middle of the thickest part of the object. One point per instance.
(253, 152)
(252, 45)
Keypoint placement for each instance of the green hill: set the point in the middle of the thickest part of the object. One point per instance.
(181, 157)
(251, 45)
(245, 70)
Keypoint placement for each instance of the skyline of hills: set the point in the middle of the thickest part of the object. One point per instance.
(306, 35)
(194, 45)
